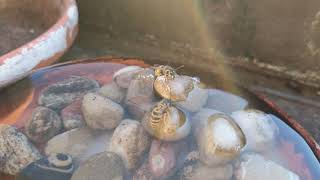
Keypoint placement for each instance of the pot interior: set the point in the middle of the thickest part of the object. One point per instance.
(23, 21)
(294, 150)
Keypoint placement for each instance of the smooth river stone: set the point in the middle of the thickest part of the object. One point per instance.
(130, 141)
(100, 112)
(254, 166)
(113, 92)
(259, 128)
(225, 102)
(59, 95)
(72, 116)
(43, 125)
(102, 166)
(124, 76)
(199, 171)
(196, 99)
(16, 152)
(80, 143)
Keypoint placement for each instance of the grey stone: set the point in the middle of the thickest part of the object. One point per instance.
(16, 152)
(113, 92)
(43, 125)
(130, 141)
(100, 112)
(225, 102)
(80, 143)
(58, 95)
(102, 166)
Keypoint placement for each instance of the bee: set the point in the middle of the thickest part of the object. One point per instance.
(166, 71)
(157, 113)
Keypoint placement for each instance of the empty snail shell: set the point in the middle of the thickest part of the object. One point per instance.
(173, 89)
(220, 139)
(167, 122)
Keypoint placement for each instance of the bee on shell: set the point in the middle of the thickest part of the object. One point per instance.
(166, 122)
(166, 71)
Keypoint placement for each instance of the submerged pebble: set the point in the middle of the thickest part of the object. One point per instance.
(72, 116)
(196, 99)
(259, 128)
(113, 92)
(55, 167)
(102, 166)
(124, 76)
(58, 95)
(43, 125)
(225, 102)
(100, 112)
(199, 171)
(79, 143)
(16, 152)
(130, 141)
(254, 166)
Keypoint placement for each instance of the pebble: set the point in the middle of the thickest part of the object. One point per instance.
(199, 171)
(55, 167)
(225, 102)
(102, 166)
(100, 112)
(79, 143)
(130, 141)
(138, 107)
(43, 125)
(124, 76)
(72, 116)
(59, 95)
(258, 127)
(113, 92)
(254, 166)
(16, 152)
(196, 99)
(142, 86)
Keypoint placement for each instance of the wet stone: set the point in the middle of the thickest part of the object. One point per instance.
(16, 152)
(196, 99)
(124, 76)
(113, 92)
(59, 95)
(258, 127)
(72, 116)
(79, 143)
(43, 125)
(55, 167)
(100, 112)
(225, 102)
(199, 171)
(130, 141)
(254, 166)
(102, 166)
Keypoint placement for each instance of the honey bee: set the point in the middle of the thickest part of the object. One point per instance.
(157, 113)
(166, 71)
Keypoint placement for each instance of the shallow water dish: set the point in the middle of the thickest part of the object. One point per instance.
(34, 33)
(300, 150)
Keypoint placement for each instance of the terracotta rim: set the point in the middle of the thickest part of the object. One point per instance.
(68, 22)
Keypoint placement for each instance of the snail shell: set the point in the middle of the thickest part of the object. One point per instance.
(176, 89)
(167, 122)
(219, 139)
